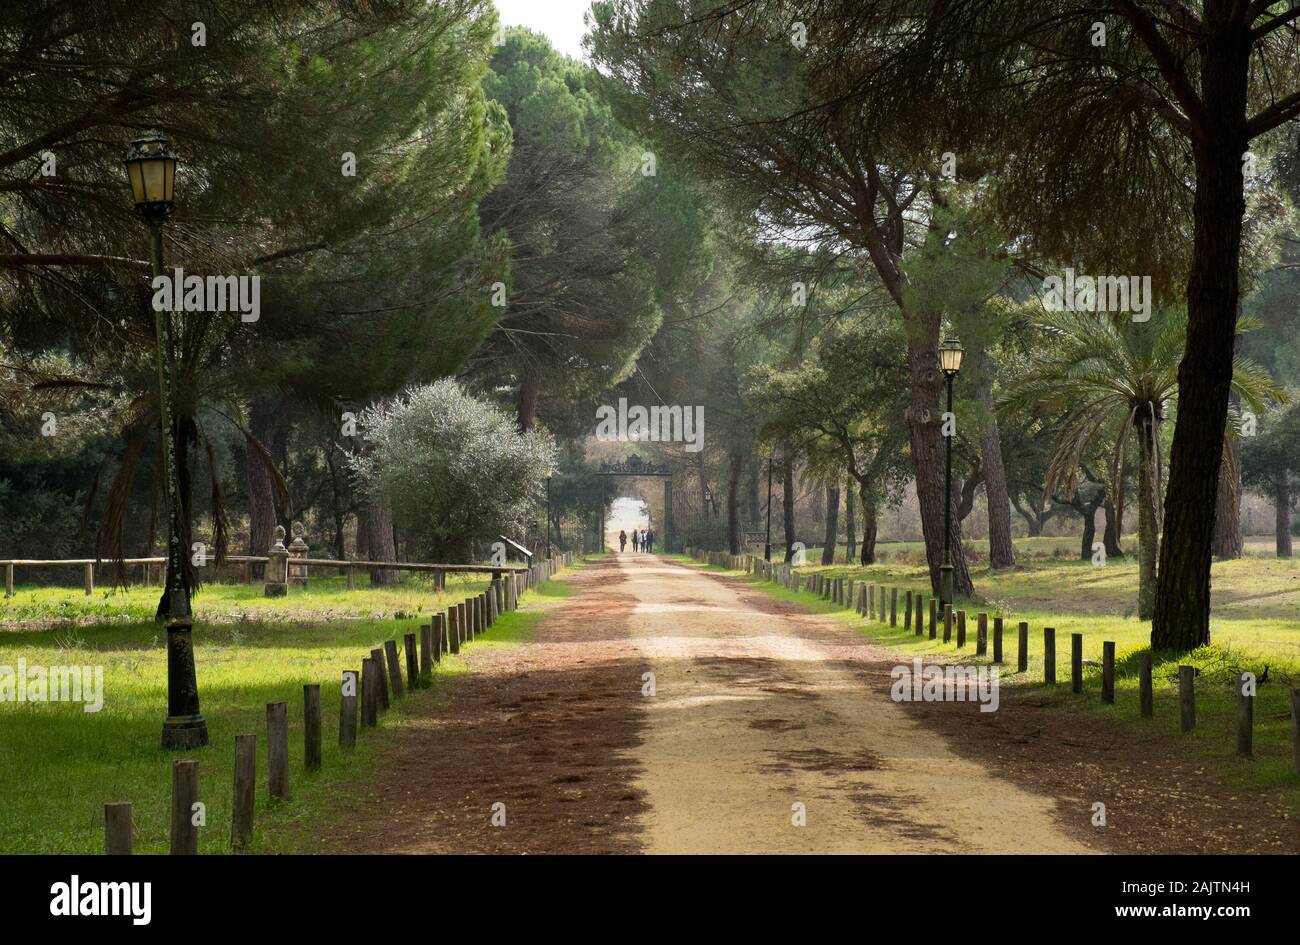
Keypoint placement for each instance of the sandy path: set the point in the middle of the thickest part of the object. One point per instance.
(756, 711)
(757, 707)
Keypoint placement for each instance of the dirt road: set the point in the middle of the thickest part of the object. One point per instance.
(762, 714)
(663, 709)
(768, 731)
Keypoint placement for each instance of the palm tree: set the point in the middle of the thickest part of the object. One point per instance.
(1113, 382)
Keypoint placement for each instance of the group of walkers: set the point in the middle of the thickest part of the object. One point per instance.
(641, 541)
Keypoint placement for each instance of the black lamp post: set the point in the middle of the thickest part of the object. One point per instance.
(151, 169)
(950, 353)
(767, 544)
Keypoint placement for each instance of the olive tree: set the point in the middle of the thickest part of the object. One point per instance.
(455, 469)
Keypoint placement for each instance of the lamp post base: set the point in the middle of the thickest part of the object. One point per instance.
(945, 584)
(183, 732)
(184, 727)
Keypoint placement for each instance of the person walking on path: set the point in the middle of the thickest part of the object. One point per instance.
(634, 540)
(649, 541)
(622, 541)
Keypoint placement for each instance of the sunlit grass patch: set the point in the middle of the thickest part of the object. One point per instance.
(59, 765)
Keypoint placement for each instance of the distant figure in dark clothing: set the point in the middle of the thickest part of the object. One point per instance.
(648, 541)
(635, 540)
(622, 541)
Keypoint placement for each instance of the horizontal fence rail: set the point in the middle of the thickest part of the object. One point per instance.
(298, 564)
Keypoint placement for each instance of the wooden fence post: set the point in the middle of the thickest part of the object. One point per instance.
(185, 794)
(117, 828)
(1246, 715)
(1108, 672)
(241, 810)
(348, 710)
(1049, 655)
(277, 749)
(997, 639)
(394, 668)
(907, 611)
(1022, 652)
(311, 746)
(426, 653)
(934, 617)
(90, 579)
(9, 580)
(453, 630)
(369, 693)
(947, 623)
(381, 678)
(1076, 662)
(961, 629)
(1146, 700)
(919, 618)
(352, 577)
(412, 664)
(439, 631)
(982, 635)
(1187, 697)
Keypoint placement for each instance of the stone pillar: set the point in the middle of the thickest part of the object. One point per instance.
(297, 573)
(277, 569)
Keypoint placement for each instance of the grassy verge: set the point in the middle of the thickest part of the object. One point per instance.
(60, 764)
(1256, 626)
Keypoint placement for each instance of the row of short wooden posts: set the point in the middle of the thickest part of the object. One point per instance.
(365, 695)
(878, 602)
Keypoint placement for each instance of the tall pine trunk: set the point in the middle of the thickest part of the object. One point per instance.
(1182, 608)
(261, 494)
(1282, 496)
(870, 527)
(734, 542)
(530, 392)
(754, 505)
(1147, 522)
(787, 505)
(832, 524)
(1002, 553)
(850, 526)
(376, 519)
(1089, 516)
(1114, 528)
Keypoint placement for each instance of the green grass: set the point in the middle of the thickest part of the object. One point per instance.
(1255, 623)
(60, 764)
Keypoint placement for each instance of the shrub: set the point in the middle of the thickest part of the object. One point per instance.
(455, 469)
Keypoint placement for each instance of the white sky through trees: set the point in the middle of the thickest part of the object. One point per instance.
(560, 21)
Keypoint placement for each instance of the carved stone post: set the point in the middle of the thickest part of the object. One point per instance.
(277, 569)
(297, 573)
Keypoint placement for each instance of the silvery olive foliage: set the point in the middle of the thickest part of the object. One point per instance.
(455, 468)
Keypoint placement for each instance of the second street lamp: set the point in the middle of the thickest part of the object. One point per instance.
(151, 169)
(950, 353)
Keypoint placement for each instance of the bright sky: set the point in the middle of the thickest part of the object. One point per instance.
(560, 21)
